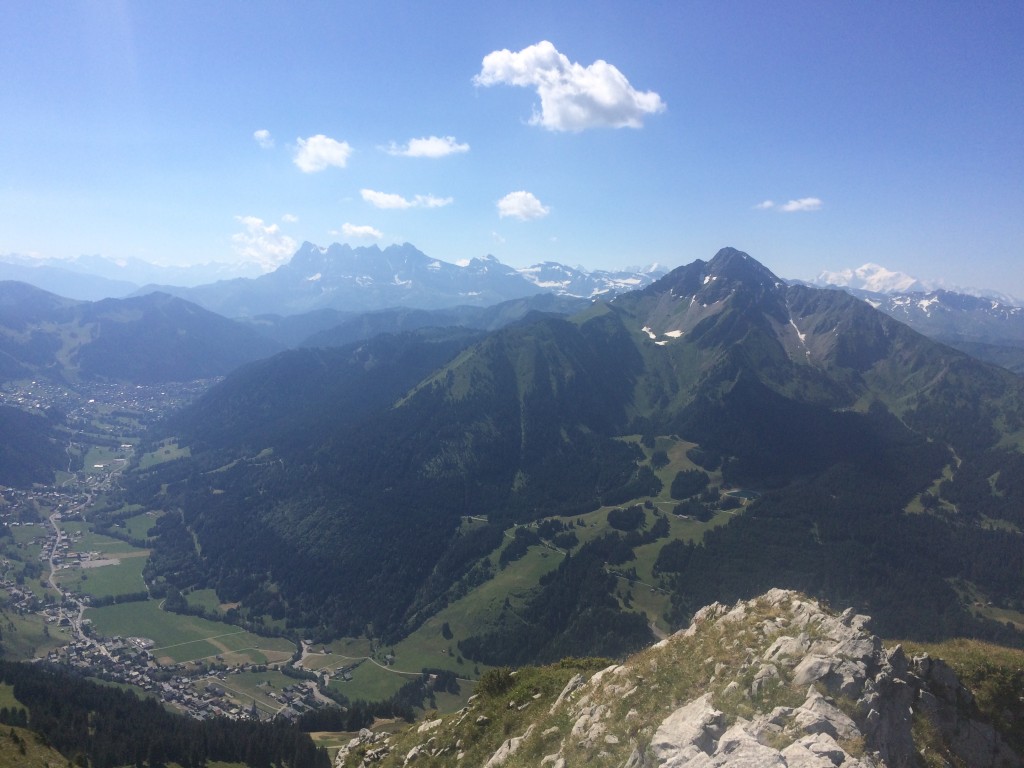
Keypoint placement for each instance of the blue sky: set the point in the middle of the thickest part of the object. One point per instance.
(602, 134)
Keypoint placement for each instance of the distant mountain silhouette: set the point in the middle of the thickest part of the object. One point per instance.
(368, 278)
(147, 339)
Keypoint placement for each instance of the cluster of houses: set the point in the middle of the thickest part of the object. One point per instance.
(199, 690)
(21, 600)
(22, 505)
(196, 690)
(128, 660)
(147, 403)
(296, 699)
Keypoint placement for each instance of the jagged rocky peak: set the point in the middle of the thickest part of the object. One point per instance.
(732, 264)
(684, 299)
(709, 281)
(767, 683)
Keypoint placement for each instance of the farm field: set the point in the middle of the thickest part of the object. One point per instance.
(373, 682)
(204, 598)
(246, 687)
(137, 527)
(121, 578)
(187, 638)
(96, 542)
(29, 636)
(99, 458)
(168, 450)
(341, 653)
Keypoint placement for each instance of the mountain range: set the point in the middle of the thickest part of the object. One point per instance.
(144, 340)
(319, 288)
(368, 278)
(986, 328)
(336, 277)
(885, 467)
(874, 278)
(983, 323)
(94, 277)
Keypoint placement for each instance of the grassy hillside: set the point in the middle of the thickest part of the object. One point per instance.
(591, 712)
(22, 748)
(994, 674)
(362, 463)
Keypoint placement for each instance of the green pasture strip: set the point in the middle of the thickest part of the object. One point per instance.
(180, 638)
(125, 578)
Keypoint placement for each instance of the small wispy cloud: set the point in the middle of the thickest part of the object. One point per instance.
(430, 146)
(394, 201)
(289, 218)
(317, 153)
(573, 97)
(803, 204)
(793, 206)
(358, 231)
(522, 205)
(263, 138)
(262, 243)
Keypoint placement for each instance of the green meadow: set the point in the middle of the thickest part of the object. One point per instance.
(187, 638)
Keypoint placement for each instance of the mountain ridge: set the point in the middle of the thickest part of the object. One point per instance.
(146, 339)
(370, 278)
(776, 680)
(838, 416)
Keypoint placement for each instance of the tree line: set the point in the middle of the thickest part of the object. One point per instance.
(106, 727)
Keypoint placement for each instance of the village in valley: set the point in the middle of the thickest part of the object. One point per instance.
(65, 587)
(74, 592)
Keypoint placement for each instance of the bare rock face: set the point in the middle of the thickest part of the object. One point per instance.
(774, 682)
(691, 730)
(786, 683)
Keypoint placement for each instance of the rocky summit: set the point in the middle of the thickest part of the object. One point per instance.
(771, 682)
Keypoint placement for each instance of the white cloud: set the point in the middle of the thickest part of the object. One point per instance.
(385, 199)
(317, 153)
(572, 97)
(358, 230)
(289, 218)
(262, 243)
(803, 204)
(431, 146)
(793, 206)
(263, 138)
(391, 200)
(522, 205)
(429, 201)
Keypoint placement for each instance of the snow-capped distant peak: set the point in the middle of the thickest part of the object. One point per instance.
(871, 277)
(578, 281)
(875, 278)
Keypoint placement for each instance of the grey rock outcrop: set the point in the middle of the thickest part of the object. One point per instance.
(774, 682)
(858, 709)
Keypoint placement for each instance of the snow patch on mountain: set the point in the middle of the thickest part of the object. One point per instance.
(577, 281)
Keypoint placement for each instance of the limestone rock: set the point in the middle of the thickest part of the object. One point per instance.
(774, 682)
(687, 732)
(508, 748)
